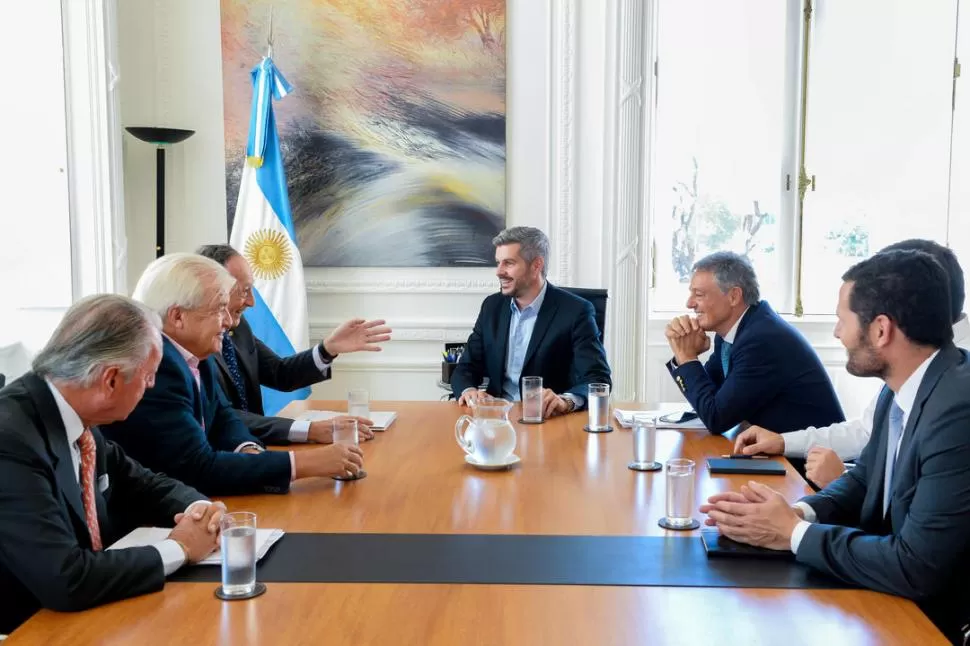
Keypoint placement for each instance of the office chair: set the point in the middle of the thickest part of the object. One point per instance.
(598, 299)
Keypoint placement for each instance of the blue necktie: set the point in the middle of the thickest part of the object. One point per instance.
(725, 357)
(229, 354)
(892, 442)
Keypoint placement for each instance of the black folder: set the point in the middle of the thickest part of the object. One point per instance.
(749, 466)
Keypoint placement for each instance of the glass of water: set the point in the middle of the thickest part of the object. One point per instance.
(532, 400)
(345, 431)
(599, 408)
(644, 443)
(238, 535)
(358, 403)
(680, 495)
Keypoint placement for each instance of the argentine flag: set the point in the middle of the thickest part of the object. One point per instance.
(263, 232)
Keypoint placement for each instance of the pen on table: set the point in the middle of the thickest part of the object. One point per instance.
(741, 456)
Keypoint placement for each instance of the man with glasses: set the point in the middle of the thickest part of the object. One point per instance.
(246, 363)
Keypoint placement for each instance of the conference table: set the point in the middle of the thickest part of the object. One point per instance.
(569, 483)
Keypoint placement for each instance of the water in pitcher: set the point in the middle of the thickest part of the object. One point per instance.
(494, 442)
(238, 560)
(599, 410)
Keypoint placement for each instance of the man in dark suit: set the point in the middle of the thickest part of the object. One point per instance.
(762, 371)
(246, 363)
(531, 328)
(899, 521)
(184, 426)
(66, 493)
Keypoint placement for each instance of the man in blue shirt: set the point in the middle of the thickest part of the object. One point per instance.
(531, 328)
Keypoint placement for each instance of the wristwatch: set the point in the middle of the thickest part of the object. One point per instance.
(326, 356)
(571, 404)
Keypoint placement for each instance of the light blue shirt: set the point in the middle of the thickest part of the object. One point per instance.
(520, 333)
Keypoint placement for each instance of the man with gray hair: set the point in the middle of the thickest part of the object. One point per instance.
(66, 493)
(184, 426)
(762, 371)
(531, 328)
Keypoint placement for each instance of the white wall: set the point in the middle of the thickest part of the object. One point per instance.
(171, 75)
(579, 102)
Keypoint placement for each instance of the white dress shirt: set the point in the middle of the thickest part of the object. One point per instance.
(733, 332)
(905, 399)
(300, 428)
(848, 438)
(172, 555)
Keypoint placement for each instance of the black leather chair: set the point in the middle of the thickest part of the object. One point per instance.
(598, 298)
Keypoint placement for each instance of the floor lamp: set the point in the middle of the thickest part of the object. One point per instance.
(160, 137)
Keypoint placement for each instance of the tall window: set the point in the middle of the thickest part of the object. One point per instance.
(851, 102)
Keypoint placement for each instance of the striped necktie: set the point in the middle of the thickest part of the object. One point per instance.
(232, 362)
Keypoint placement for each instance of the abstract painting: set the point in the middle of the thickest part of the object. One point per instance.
(394, 136)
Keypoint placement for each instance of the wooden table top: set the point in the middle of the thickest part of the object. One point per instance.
(569, 482)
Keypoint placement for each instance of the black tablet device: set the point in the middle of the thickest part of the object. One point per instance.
(717, 546)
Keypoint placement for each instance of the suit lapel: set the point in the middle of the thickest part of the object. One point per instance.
(502, 339)
(245, 345)
(53, 426)
(546, 313)
(877, 476)
(948, 356)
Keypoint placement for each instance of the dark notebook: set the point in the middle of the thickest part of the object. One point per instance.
(750, 466)
(717, 546)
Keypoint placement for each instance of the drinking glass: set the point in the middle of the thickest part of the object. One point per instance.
(238, 535)
(599, 408)
(680, 494)
(358, 403)
(644, 443)
(345, 431)
(532, 400)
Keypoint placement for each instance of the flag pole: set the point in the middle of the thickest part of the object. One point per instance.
(269, 37)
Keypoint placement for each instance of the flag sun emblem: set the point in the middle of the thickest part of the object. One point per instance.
(268, 253)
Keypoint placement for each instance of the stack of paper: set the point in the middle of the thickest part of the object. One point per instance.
(265, 539)
(382, 420)
(625, 418)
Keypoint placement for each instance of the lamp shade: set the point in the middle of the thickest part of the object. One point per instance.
(160, 136)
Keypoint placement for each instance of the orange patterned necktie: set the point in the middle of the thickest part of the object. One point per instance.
(86, 444)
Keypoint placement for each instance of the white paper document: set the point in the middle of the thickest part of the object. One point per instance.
(265, 539)
(382, 420)
(625, 418)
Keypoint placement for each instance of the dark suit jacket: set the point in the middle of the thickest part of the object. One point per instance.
(260, 366)
(165, 433)
(45, 547)
(564, 350)
(922, 550)
(775, 379)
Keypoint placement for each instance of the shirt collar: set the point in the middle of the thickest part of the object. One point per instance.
(733, 332)
(73, 425)
(534, 305)
(190, 358)
(906, 396)
(961, 330)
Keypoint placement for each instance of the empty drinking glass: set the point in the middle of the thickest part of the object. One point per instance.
(238, 535)
(644, 443)
(345, 431)
(680, 495)
(599, 408)
(358, 403)
(532, 400)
